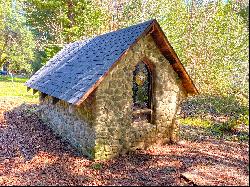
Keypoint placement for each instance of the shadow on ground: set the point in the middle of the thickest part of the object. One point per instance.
(30, 153)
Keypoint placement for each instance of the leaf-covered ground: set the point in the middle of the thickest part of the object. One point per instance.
(31, 155)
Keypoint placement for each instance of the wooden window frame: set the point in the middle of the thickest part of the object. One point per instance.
(150, 109)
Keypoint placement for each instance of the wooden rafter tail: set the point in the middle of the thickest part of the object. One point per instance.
(55, 100)
(34, 91)
(43, 95)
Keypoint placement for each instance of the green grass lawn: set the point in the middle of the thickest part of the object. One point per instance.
(16, 89)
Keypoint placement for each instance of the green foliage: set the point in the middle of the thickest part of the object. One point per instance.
(210, 38)
(68, 21)
(16, 40)
(203, 105)
(96, 166)
(227, 126)
(197, 122)
(41, 57)
(226, 117)
(213, 46)
(230, 125)
(40, 60)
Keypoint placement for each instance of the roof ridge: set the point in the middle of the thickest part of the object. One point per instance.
(111, 32)
(124, 28)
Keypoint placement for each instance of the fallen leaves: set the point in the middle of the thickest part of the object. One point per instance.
(30, 154)
(216, 175)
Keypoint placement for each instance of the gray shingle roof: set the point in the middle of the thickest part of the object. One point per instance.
(79, 65)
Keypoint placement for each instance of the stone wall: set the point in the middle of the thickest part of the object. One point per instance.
(102, 126)
(115, 132)
(74, 124)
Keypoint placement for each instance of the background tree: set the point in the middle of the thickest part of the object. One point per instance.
(16, 40)
(58, 22)
(210, 38)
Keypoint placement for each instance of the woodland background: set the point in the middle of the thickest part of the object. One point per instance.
(211, 38)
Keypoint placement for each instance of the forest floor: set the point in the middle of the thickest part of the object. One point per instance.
(30, 154)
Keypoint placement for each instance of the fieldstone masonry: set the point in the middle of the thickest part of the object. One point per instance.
(101, 127)
(73, 124)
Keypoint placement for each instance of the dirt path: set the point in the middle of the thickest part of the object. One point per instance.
(31, 155)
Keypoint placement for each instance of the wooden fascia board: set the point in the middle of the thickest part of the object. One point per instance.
(167, 50)
(86, 95)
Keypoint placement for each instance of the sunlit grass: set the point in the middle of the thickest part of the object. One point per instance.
(196, 122)
(16, 90)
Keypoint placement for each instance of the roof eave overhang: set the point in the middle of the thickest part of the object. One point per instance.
(169, 53)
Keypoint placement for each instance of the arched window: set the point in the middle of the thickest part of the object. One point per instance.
(142, 93)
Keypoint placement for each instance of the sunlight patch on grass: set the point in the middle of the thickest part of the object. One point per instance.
(197, 122)
(16, 90)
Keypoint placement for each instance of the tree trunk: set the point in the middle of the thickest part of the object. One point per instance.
(2, 61)
(70, 15)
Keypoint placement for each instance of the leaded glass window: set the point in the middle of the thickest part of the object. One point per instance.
(142, 88)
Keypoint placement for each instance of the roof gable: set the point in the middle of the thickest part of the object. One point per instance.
(75, 71)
